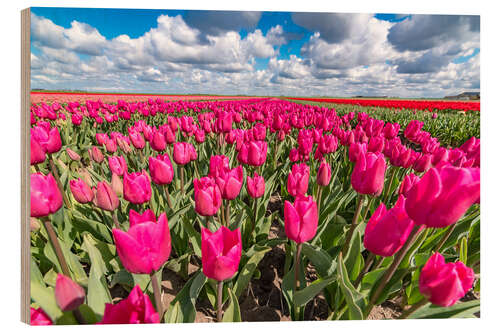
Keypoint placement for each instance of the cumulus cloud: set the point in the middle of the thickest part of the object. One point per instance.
(219, 22)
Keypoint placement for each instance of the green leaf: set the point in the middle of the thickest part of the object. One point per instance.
(185, 311)
(353, 259)
(463, 250)
(355, 300)
(45, 298)
(194, 237)
(302, 297)
(232, 313)
(247, 271)
(321, 260)
(460, 310)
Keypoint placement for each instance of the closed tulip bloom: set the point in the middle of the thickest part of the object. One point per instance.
(135, 309)
(387, 230)
(301, 219)
(355, 149)
(182, 153)
(294, 155)
(412, 131)
(242, 153)
(443, 283)
(81, 191)
(219, 164)
(124, 146)
(207, 196)
(96, 154)
(324, 174)
(230, 183)
(101, 138)
(69, 294)
(443, 195)
(45, 195)
(423, 163)
(220, 252)
(137, 139)
(39, 318)
(391, 130)
(369, 173)
(105, 197)
(298, 179)
(161, 169)
(257, 153)
(48, 138)
(199, 136)
(37, 152)
(407, 183)
(137, 187)
(376, 144)
(158, 142)
(117, 165)
(440, 155)
(117, 184)
(111, 146)
(72, 155)
(146, 246)
(256, 186)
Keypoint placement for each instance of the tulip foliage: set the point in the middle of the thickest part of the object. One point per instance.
(209, 201)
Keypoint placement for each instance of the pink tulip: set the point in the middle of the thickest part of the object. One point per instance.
(117, 165)
(137, 187)
(408, 182)
(324, 174)
(69, 294)
(136, 218)
(391, 130)
(369, 173)
(37, 152)
(230, 183)
(257, 153)
(111, 146)
(117, 184)
(101, 138)
(355, 149)
(137, 139)
(72, 155)
(48, 138)
(182, 153)
(45, 195)
(301, 219)
(439, 155)
(39, 318)
(443, 195)
(158, 143)
(443, 283)
(105, 197)
(81, 191)
(220, 253)
(135, 309)
(423, 163)
(387, 230)
(146, 246)
(256, 186)
(207, 196)
(376, 144)
(219, 164)
(294, 155)
(96, 154)
(298, 179)
(161, 169)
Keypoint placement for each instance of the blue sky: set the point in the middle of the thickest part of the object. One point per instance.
(254, 53)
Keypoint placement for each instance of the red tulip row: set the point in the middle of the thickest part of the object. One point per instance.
(448, 186)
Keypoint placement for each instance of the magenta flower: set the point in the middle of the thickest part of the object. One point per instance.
(301, 219)
(220, 253)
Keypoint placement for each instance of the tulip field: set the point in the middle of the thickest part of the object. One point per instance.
(220, 209)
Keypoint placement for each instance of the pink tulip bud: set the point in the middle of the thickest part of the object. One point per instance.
(443, 195)
(387, 230)
(158, 143)
(207, 196)
(257, 153)
(96, 154)
(355, 150)
(111, 146)
(230, 182)
(124, 146)
(135, 309)
(37, 152)
(220, 253)
(137, 187)
(391, 130)
(39, 318)
(48, 138)
(440, 155)
(81, 191)
(182, 152)
(324, 174)
(443, 283)
(423, 163)
(256, 186)
(69, 295)
(105, 197)
(161, 169)
(219, 164)
(117, 164)
(137, 139)
(72, 155)
(376, 144)
(369, 173)
(294, 155)
(117, 184)
(301, 219)
(408, 182)
(298, 179)
(146, 246)
(101, 138)
(45, 195)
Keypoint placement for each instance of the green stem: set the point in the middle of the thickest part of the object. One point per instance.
(445, 237)
(157, 294)
(167, 195)
(386, 196)
(413, 308)
(366, 268)
(228, 213)
(115, 219)
(56, 246)
(55, 173)
(318, 202)
(182, 180)
(296, 283)
(79, 317)
(220, 284)
(370, 200)
(353, 224)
